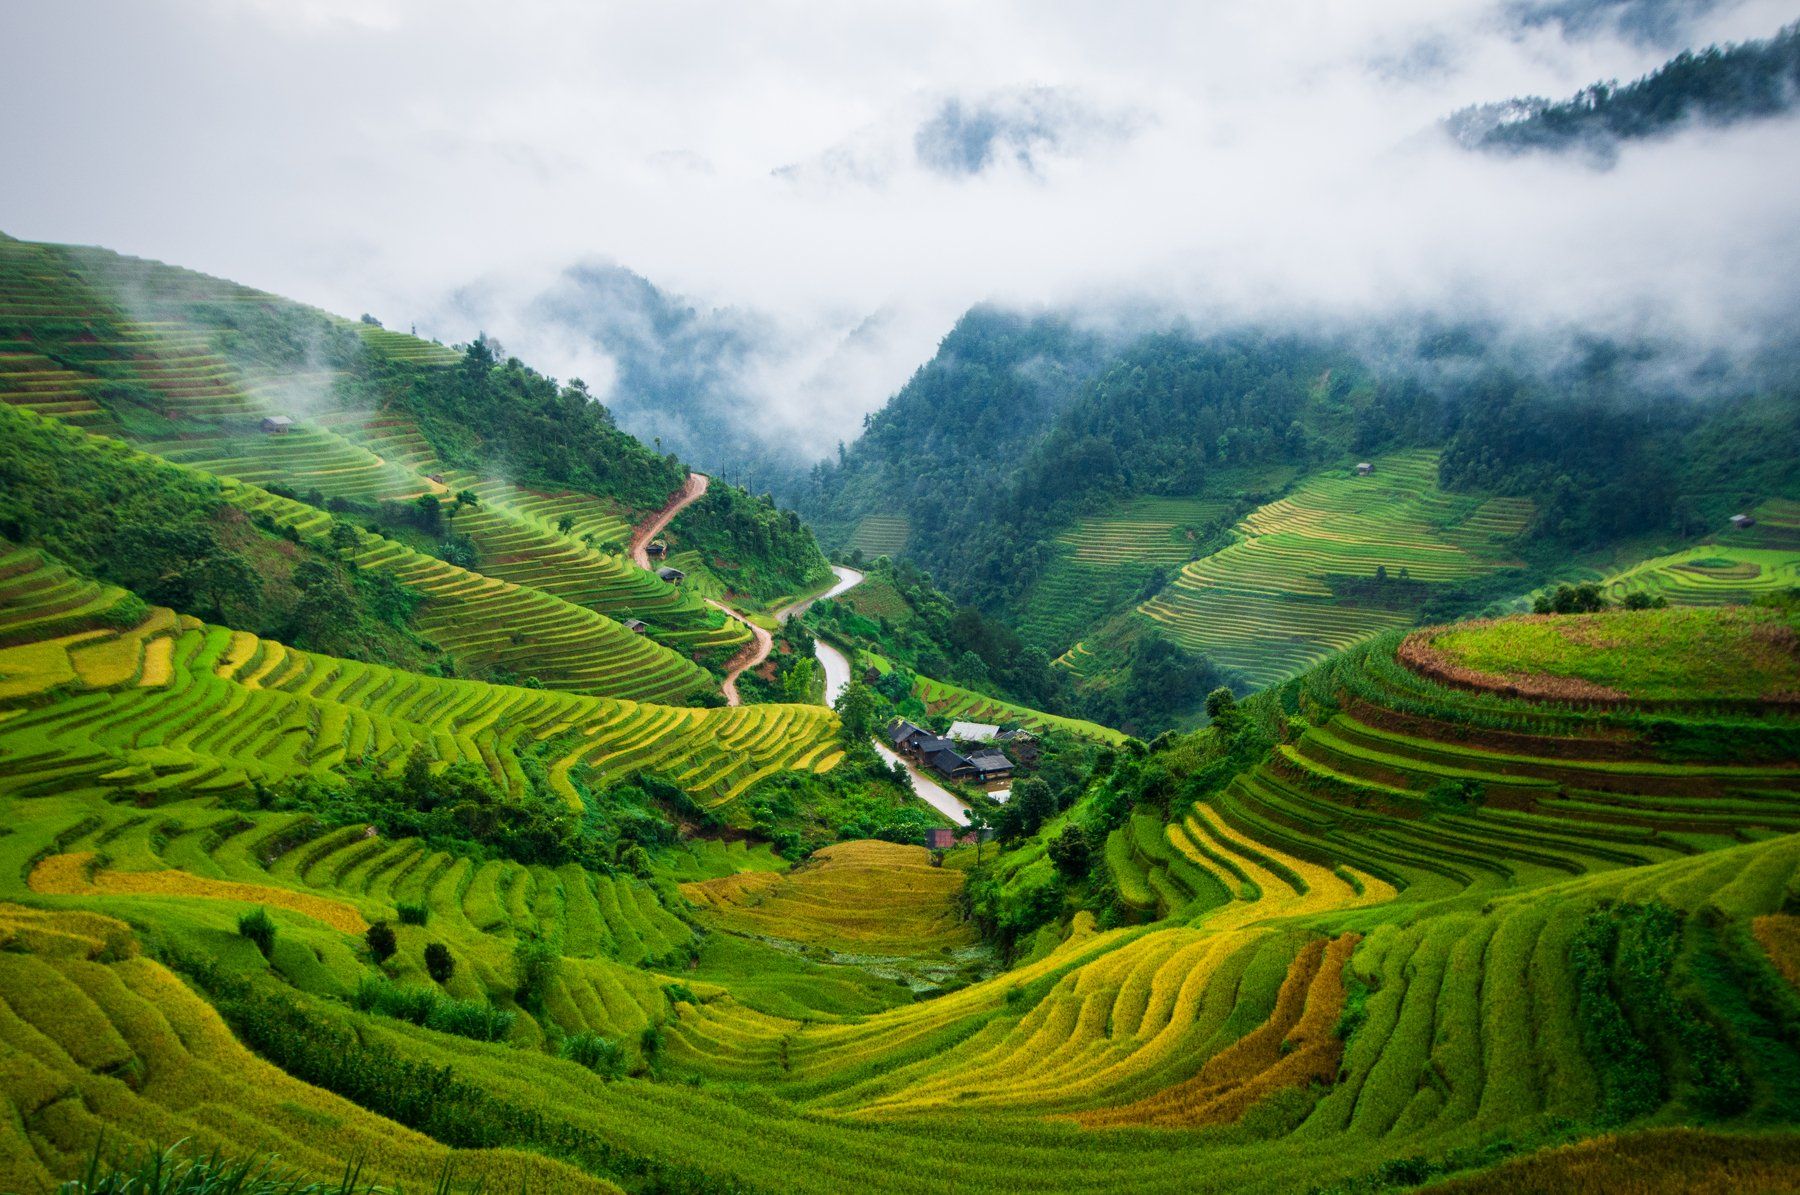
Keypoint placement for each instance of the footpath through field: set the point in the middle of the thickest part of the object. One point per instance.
(837, 679)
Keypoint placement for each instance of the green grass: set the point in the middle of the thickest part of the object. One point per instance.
(1661, 655)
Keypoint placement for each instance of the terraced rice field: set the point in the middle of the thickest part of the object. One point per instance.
(517, 532)
(1070, 598)
(399, 346)
(1263, 605)
(1303, 1011)
(1710, 575)
(854, 898)
(881, 535)
(1146, 530)
(39, 384)
(172, 705)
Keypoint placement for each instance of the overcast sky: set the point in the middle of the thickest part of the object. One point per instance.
(1257, 158)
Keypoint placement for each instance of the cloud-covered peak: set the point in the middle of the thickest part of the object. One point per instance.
(1020, 129)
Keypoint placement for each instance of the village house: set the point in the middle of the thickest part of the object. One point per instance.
(635, 626)
(1740, 522)
(1364, 468)
(973, 732)
(657, 548)
(904, 735)
(276, 424)
(941, 755)
(673, 576)
(991, 766)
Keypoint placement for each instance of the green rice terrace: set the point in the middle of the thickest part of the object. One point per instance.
(186, 386)
(1341, 558)
(499, 896)
(1400, 919)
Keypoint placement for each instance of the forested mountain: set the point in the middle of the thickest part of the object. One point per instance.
(1719, 85)
(1059, 511)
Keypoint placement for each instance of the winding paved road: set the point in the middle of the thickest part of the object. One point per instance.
(837, 679)
(833, 661)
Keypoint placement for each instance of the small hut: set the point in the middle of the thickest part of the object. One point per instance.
(1364, 468)
(673, 576)
(1740, 522)
(657, 548)
(277, 424)
(635, 626)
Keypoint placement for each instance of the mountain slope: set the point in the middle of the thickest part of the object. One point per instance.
(1371, 929)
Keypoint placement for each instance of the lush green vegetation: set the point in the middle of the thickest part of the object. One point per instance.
(898, 614)
(384, 426)
(1660, 655)
(174, 537)
(762, 552)
(1516, 901)
(1057, 482)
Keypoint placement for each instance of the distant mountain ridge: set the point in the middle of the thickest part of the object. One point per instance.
(1716, 86)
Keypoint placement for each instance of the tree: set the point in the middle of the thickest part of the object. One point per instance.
(1584, 598)
(222, 581)
(431, 512)
(857, 712)
(466, 498)
(1639, 599)
(325, 611)
(1069, 853)
(381, 941)
(439, 963)
(978, 822)
(256, 926)
(565, 524)
(1035, 802)
(1222, 710)
(343, 537)
(536, 964)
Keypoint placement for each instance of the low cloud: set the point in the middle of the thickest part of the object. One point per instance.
(448, 165)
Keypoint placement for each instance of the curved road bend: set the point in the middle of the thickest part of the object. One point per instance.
(752, 653)
(837, 679)
(650, 528)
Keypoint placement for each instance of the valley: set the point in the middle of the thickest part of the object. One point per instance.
(1176, 601)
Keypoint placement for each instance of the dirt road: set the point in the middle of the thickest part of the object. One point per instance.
(650, 528)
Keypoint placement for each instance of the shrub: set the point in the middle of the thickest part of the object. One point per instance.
(476, 1019)
(381, 941)
(535, 965)
(439, 963)
(1070, 854)
(411, 914)
(256, 926)
(599, 1054)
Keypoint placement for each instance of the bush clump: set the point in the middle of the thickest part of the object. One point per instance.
(256, 926)
(599, 1054)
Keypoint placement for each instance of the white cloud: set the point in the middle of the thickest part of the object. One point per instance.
(380, 155)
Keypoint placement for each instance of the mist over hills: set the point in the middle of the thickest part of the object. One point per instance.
(900, 598)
